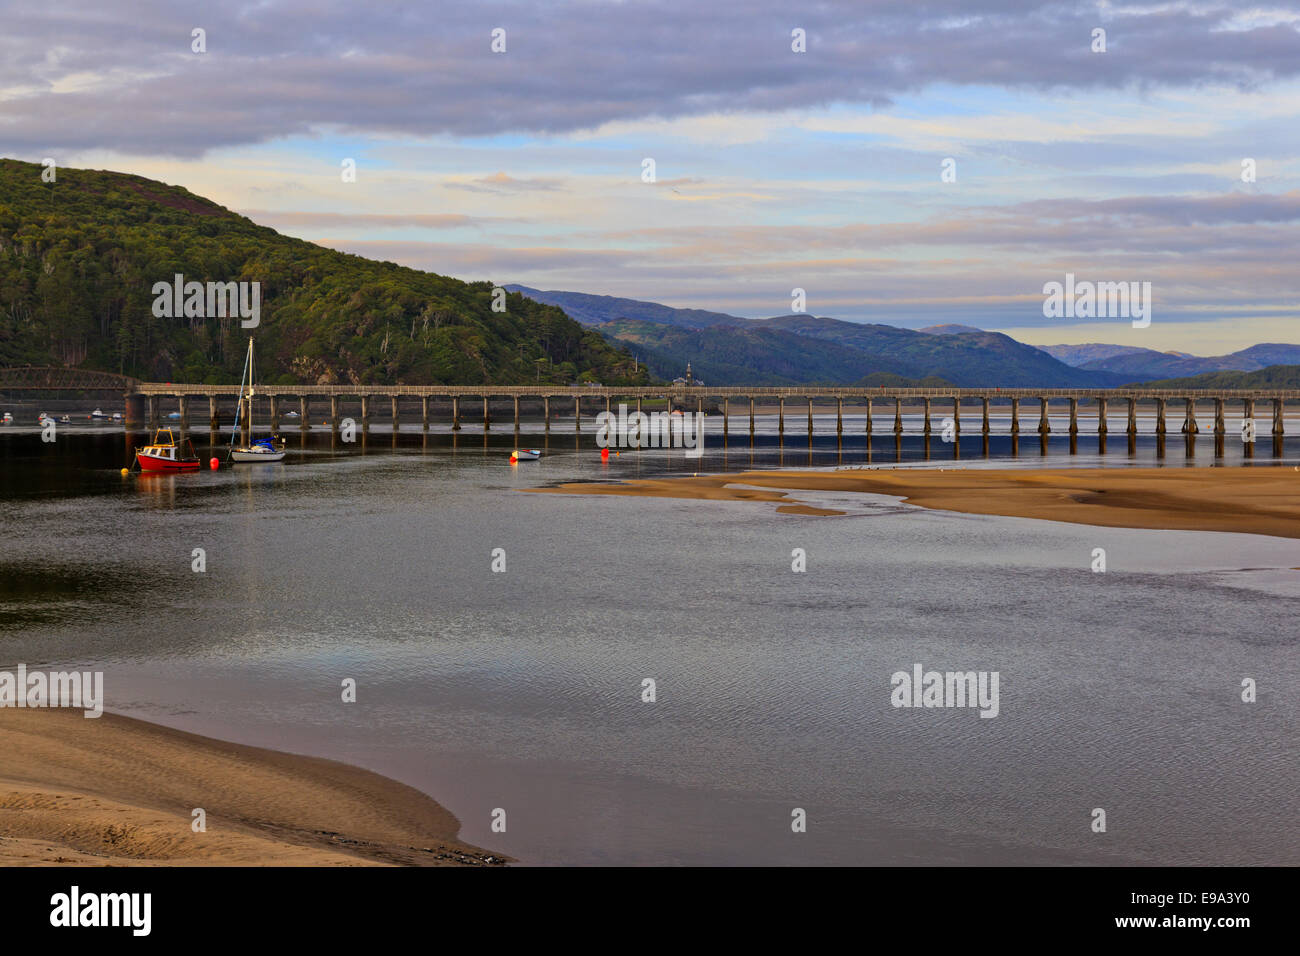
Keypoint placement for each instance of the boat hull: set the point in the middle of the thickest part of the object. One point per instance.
(150, 463)
(239, 455)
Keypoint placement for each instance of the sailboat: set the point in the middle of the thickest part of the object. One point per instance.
(261, 449)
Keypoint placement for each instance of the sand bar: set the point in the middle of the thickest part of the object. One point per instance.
(1264, 500)
(117, 791)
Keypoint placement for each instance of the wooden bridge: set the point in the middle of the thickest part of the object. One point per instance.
(143, 402)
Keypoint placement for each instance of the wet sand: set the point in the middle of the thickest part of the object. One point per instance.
(1251, 500)
(118, 791)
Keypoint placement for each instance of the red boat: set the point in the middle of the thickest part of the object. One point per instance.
(167, 454)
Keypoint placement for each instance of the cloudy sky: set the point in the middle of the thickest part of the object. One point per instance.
(774, 169)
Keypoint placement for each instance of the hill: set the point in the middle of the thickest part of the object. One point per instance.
(805, 350)
(79, 259)
(1274, 376)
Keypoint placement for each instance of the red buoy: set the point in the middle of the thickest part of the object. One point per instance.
(604, 454)
(213, 464)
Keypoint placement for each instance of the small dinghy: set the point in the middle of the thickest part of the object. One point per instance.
(525, 454)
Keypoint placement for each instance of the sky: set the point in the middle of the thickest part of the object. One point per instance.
(1173, 157)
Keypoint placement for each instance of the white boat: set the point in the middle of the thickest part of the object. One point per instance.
(98, 415)
(525, 454)
(262, 450)
(7, 419)
(42, 419)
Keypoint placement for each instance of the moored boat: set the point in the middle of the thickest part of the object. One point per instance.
(261, 449)
(167, 454)
(525, 454)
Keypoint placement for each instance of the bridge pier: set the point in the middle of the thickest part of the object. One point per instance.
(810, 417)
(1074, 416)
(898, 416)
(985, 425)
(1189, 421)
(455, 413)
(751, 418)
(424, 413)
(153, 413)
(517, 412)
(577, 413)
(275, 413)
(1101, 416)
(487, 416)
(396, 416)
(839, 416)
(1015, 417)
(365, 412)
(1043, 426)
(334, 413)
(927, 417)
(868, 423)
(546, 410)
(1219, 425)
(780, 416)
(304, 410)
(726, 410)
(214, 423)
(1279, 417)
(956, 417)
(1132, 418)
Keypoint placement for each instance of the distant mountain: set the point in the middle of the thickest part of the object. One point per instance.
(1139, 364)
(599, 309)
(950, 329)
(1076, 355)
(805, 349)
(1274, 376)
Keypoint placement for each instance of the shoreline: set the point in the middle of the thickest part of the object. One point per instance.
(118, 791)
(1244, 500)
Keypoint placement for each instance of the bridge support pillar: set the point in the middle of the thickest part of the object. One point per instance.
(1015, 416)
(839, 416)
(183, 402)
(487, 417)
(275, 413)
(1219, 425)
(334, 413)
(424, 413)
(780, 416)
(304, 410)
(726, 408)
(927, 416)
(1189, 421)
(365, 411)
(984, 426)
(133, 411)
(898, 415)
(1043, 426)
(546, 410)
(214, 423)
(868, 417)
(751, 418)
(810, 417)
(1279, 417)
(153, 412)
(1101, 416)
(1160, 416)
(517, 411)
(577, 413)
(1074, 416)
(455, 413)
(1132, 417)
(956, 416)
(396, 416)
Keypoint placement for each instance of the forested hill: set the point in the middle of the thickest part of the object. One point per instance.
(79, 259)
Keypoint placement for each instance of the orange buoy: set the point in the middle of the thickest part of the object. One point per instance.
(604, 453)
(213, 464)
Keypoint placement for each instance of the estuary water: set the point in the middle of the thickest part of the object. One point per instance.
(522, 690)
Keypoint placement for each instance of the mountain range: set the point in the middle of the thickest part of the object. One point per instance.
(805, 349)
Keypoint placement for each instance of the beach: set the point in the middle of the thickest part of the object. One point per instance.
(1249, 500)
(118, 791)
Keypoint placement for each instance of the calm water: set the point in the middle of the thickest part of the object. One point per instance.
(522, 690)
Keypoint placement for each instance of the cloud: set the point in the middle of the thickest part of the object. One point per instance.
(501, 183)
(78, 75)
